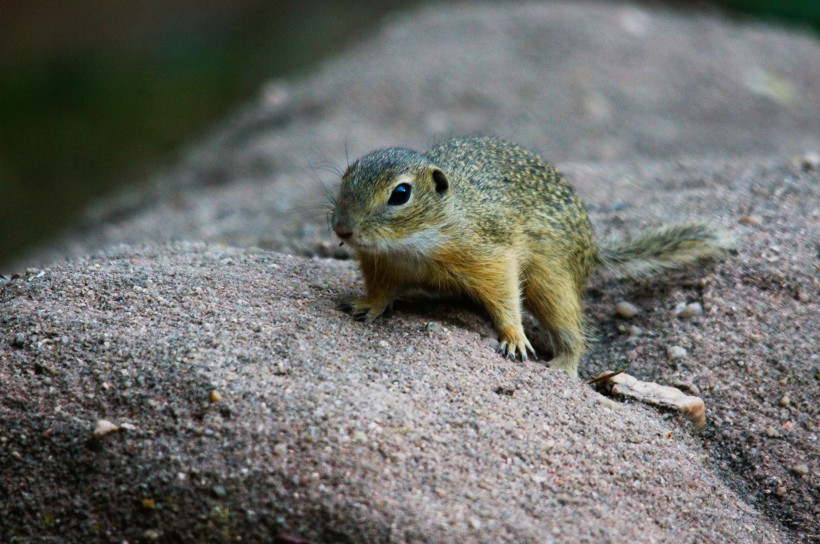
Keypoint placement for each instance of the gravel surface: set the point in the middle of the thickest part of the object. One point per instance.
(198, 392)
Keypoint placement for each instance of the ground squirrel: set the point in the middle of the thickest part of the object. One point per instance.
(486, 218)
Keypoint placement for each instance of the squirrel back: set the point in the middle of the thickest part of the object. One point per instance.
(484, 190)
(518, 182)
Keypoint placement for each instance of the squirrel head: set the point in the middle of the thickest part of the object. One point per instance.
(391, 200)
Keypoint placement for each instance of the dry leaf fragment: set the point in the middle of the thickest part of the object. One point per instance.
(661, 396)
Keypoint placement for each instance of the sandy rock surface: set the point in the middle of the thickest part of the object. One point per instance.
(411, 430)
(244, 405)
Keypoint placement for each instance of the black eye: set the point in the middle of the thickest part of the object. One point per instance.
(400, 195)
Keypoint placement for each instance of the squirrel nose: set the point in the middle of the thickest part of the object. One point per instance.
(342, 224)
(343, 233)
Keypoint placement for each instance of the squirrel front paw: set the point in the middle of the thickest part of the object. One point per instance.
(363, 309)
(513, 345)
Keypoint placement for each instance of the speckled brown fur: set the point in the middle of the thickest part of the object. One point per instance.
(491, 220)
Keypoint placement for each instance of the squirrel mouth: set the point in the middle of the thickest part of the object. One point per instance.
(356, 244)
(363, 246)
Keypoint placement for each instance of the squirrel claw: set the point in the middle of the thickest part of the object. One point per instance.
(360, 310)
(509, 352)
(515, 350)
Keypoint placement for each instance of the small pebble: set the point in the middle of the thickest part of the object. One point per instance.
(751, 220)
(801, 470)
(810, 161)
(781, 491)
(19, 340)
(219, 491)
(676, 353)
(359, 436)
(149, 504)
(280, 449)
(771, 432)
(626, 309)
(151, 534)
(104, 427)
(214, 396)
(689, 310)
(803, 295)
(384, 344)
(785, 401)
(635, 330)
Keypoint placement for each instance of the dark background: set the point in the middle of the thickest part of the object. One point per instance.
(95, 95)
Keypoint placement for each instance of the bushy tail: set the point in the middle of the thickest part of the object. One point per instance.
(665, 248)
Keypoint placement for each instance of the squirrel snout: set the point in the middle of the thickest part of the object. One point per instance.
(342, 225)
(342, 233)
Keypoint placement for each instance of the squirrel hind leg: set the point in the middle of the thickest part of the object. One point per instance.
(567, 361)
(554, 300)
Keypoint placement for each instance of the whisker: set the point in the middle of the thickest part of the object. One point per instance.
(324, 166)
(312, 212)
(309, 208)
(330, 168)
(329, 195)
(328, 218)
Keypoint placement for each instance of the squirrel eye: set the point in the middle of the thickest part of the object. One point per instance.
(400, 195)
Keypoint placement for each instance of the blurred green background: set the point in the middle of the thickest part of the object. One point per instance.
(94, 95)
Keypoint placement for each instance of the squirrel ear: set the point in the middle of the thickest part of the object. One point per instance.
(441, 181)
